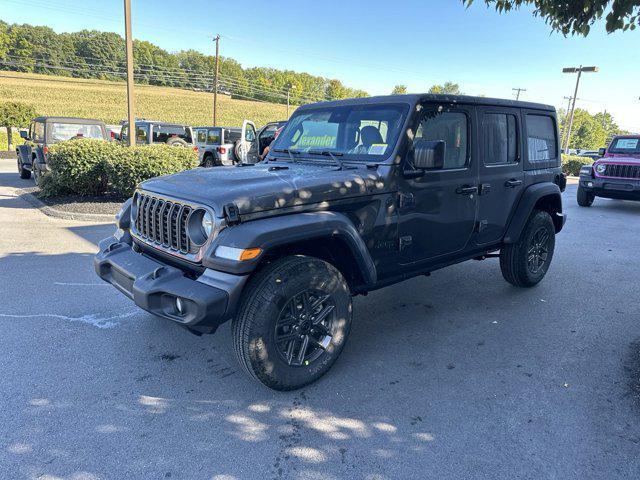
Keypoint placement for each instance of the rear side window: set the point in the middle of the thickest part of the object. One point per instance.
(202, 136)
(542, 144)
(213, 136)
(162, 133)
(500, 137)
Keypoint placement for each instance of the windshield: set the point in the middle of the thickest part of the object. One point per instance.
(625, 145)
(359, 132)
(66, 131)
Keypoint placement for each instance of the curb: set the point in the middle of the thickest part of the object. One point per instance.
(62, 214)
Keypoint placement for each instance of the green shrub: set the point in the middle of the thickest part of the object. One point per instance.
(126, 171)
(94, 167)
(571, 164)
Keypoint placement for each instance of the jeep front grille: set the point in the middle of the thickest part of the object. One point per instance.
(163, 222)
(622, 171)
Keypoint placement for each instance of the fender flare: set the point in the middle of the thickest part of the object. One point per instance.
(24, 154)
(527, 202)
(274, 232)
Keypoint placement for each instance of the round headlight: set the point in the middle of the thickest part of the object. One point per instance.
(201, 225)
(601, 168)
(207, 224)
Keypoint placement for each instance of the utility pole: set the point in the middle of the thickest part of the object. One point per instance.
(564, 130)
(215, 82)
(288, 92)
(579, 71)
(518, 90)
(129, 52)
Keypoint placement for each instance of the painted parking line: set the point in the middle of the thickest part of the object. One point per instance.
(89, 319)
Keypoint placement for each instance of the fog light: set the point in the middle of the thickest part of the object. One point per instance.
(590, 184)
(179, 306)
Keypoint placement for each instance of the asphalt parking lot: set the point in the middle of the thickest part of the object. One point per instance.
(458, 375)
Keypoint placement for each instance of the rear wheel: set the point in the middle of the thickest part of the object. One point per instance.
(293, 322)
(210, 161)
(525, 263)
(585, 198)
(24, 173)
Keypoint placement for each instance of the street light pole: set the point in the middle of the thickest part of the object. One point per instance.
(129, 52)
(579, 71)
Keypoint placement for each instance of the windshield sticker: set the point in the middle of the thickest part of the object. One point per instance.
(378, 149)
(627, 143)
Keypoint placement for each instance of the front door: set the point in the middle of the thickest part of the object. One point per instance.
(248, 143)
(501, 171)
(438, 210)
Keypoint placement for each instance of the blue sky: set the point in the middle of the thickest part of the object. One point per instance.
(377, 44)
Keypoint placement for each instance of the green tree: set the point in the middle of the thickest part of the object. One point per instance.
(399, 90)
(448, 88)
(15, 115)
(577, 17)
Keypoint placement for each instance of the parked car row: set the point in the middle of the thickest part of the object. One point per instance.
(215, 145)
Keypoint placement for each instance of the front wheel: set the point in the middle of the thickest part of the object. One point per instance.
(24, 173)
(585, 198)
(293, 322)
(525, 263)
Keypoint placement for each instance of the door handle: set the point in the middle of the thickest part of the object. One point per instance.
(466, 190)
(513, 183)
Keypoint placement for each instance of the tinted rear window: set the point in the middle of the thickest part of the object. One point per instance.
(541, 138)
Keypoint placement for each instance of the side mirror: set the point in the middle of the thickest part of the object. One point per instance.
(602, 151)
(24, 134)
(429, 155)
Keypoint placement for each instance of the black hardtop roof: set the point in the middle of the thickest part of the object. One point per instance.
(429, 97)
(68, 120)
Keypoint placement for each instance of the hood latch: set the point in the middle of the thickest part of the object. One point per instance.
(232, 213)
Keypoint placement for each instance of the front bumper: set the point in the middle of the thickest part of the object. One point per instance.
(206, 302)
(617, 188)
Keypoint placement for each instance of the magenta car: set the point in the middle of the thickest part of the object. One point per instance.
(615, 175)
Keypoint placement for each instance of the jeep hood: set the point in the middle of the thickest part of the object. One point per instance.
(267, 186)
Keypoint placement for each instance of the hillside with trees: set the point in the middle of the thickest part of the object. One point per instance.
(101, 55)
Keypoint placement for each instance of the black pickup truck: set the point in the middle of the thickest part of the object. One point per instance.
(353, 196)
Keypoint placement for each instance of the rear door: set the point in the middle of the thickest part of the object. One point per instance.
(501, 170)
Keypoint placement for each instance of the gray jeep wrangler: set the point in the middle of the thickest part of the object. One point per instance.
(354, 195)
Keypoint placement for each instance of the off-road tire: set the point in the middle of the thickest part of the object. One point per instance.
(36, 173)
(264, 299)
(210, 160)
(24, 173)
(514, 258)
(585, 198)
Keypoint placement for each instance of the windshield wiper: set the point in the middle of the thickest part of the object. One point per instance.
(328, 153)
(289, 152)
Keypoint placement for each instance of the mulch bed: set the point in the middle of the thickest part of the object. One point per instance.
(94, 205)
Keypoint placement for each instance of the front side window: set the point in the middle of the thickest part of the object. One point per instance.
(162, 133)
(250, 133)
(625, 145)
(542, 144)
(66, 131)
(38, 132)
(449, 127)
(500, 139)
(358, 132)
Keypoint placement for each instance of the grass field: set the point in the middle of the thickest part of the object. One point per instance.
(106, 101)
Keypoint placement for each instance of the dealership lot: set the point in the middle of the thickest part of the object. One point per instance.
(457, 375)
